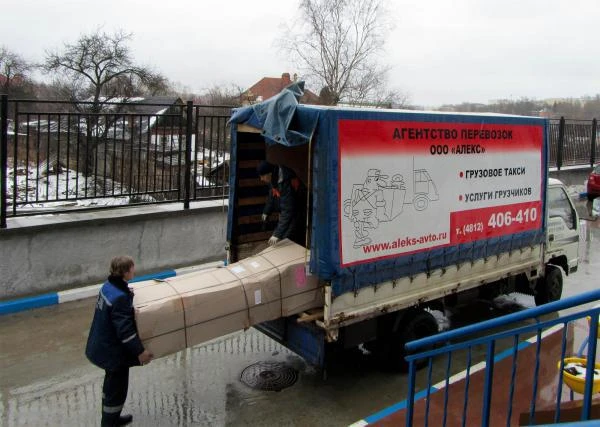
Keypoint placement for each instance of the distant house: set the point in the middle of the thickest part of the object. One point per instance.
(158, 106)
(161, 115)
(267, 87)
(6, 81)
(158, 115)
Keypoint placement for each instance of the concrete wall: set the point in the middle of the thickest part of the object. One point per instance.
(58, 252)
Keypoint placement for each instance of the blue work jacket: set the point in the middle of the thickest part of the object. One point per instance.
(113, 342)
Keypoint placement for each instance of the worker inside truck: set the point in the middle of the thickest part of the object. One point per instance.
(287, 196)
(257, 137)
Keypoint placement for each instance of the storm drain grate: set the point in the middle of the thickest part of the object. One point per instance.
(270, 376)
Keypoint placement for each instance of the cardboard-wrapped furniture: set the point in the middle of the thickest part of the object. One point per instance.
(183, 311)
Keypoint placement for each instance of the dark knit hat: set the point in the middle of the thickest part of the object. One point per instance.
(265, 167)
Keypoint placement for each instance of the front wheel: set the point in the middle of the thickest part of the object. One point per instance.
(549, 288)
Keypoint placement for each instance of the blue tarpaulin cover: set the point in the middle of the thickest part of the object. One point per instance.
(278, 118)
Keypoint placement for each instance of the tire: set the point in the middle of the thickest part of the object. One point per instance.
(549, 288)
(491, 291)
(420, 202)
(415, 325)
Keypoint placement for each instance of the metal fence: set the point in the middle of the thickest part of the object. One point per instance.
(59, 156)
(516, 373)
(574, 142)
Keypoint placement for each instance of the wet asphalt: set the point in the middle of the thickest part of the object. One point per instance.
(45, 378)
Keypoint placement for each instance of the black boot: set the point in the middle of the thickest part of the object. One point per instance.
(124, 419)
(120, 421)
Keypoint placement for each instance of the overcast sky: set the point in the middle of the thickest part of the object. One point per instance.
(441, 51)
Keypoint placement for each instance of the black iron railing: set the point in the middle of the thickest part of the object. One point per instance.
(58, 156)
(573, 142)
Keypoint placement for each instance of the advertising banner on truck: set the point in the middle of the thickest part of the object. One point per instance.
(410, 186)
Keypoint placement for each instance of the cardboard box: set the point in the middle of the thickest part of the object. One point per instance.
(299, 291)
(158, 309)
(216, 301)
(200, 306)
(284, 252)
(213, 304)
(263, 291)
(295, 304)
(262, 288)
(215, 328)
(250, 266)
(199, 279)
(294, 279)
(151, 290)
(166, 344)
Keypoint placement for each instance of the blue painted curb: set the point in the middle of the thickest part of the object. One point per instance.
(21, 304)
(44, 300)
(157, 276)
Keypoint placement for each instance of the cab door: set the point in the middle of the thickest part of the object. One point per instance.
(562, 238)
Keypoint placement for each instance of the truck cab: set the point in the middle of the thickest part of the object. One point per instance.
(563, 228)
(562, 243)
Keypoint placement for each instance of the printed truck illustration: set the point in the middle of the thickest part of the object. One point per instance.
(378, 199)
(407, 211)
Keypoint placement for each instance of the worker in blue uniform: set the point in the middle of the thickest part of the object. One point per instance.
(113, 343)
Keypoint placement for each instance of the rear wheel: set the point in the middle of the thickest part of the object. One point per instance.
(549, 288)
(415, 325)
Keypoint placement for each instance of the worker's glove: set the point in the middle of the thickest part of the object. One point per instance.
(264, 217)
(273, 240)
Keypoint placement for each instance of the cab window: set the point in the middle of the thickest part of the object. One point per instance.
(559, 205)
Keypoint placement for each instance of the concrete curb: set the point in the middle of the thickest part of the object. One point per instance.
(44, 300)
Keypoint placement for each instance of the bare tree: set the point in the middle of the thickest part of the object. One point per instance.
(94, 71)
(125, 87)
(369, 92)
(14, 71)
(222, 95)
(337, 44)
(100, 67)
(591, 107)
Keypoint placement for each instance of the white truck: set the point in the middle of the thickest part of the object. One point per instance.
(406, 212)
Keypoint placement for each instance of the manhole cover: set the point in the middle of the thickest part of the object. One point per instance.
(270, 376)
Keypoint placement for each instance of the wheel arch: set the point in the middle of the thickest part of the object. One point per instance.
(559, 261)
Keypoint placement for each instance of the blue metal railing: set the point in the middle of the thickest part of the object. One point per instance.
(460, 340)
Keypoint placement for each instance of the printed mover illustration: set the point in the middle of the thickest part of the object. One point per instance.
(378, 200)
(407, 211)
